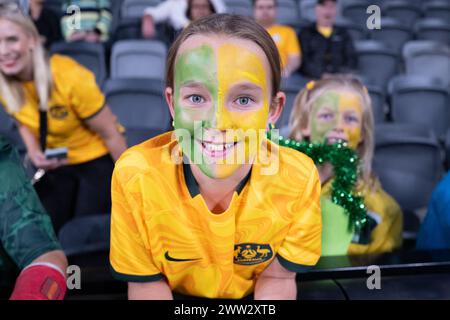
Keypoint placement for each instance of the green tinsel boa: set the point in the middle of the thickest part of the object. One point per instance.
(345, 163)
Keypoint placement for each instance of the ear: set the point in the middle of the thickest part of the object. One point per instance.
(169, 99)
(277, 107)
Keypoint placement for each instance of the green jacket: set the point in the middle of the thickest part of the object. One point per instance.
(26, 230)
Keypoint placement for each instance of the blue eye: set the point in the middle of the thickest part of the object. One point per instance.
(243, 101)
(196, 99)
(352, 119)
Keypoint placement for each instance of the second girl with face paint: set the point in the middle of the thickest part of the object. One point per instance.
(338, 108)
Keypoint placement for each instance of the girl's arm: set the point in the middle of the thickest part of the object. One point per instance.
(276, 283)
(105, 124)
(157, 290)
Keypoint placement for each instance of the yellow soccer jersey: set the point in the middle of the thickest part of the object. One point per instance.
(75, 97)
(162, 228)
(286, 40)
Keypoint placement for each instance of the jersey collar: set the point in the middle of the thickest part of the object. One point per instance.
(192, 184)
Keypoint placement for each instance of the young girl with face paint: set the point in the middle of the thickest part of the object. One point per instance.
(216, 224)
(338, 108)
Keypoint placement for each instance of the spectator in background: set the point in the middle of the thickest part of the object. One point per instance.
(326, 48)
(63, 95)
(434, 232)
(27, 239)
(46, 21)
(178, 14)
(285, 38)
(95, 20)
(337, 108)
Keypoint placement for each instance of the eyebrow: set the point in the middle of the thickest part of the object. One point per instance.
(246, 86)
(193, 84)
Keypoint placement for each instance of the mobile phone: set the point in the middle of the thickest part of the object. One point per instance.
(56, 153)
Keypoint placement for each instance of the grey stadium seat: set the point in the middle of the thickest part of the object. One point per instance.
(91, 55)
(437, 9)
(356, 11)
(393, 33)
(404, 11)
(140, 107)
(307, 9)
(135, 8)
(138, 59)
(408, 162)
(376, 61)
(86, 234)
(427, 58)
(287, 12)
(378, 99)
(127, 28)
(433, 29)
(356, 31)
(241, 7)
(421, 101)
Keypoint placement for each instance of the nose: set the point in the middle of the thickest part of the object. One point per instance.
(339, 125)
(222, 118)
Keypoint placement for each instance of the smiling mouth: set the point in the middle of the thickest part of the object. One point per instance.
(216, 150)
(332, 140)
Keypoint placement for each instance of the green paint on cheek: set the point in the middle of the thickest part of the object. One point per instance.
(320, 128)
(195, 65)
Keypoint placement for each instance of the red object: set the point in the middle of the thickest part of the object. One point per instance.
(39, 282)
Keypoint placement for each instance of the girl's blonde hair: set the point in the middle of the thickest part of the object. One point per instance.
(10, 88)
(304, 102)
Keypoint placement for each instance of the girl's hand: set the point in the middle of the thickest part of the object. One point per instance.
(41, 162)
(326, 172)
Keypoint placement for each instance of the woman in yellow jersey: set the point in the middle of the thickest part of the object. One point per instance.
(57, 104)
(213, 209)
(338, 108)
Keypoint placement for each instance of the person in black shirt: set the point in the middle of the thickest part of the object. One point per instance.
(326, 48)
(46, 21)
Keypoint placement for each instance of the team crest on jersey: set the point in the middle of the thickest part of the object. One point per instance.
(58, 112)
(252, 253)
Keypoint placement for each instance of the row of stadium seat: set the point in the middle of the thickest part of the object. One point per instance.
(398, 98)
(420, 57)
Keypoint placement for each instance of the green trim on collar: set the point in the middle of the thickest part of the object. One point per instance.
(192, 184)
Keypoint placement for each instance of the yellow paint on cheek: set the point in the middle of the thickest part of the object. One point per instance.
(236, 64)
(351, 102)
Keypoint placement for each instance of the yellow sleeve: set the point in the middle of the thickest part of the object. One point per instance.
(130, 254)
(387, 235)
(293, 46)
(301, 249)
(86, 97)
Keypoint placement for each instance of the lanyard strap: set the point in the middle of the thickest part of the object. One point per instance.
(43, 129)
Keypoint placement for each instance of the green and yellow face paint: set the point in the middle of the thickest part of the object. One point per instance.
(337, 115)
(221, 93)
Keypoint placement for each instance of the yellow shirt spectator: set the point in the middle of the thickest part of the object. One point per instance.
(286, 40)
(75, 97)
(161, 226)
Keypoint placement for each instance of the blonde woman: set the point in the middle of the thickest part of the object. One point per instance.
(57, 104)
(339, 108)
